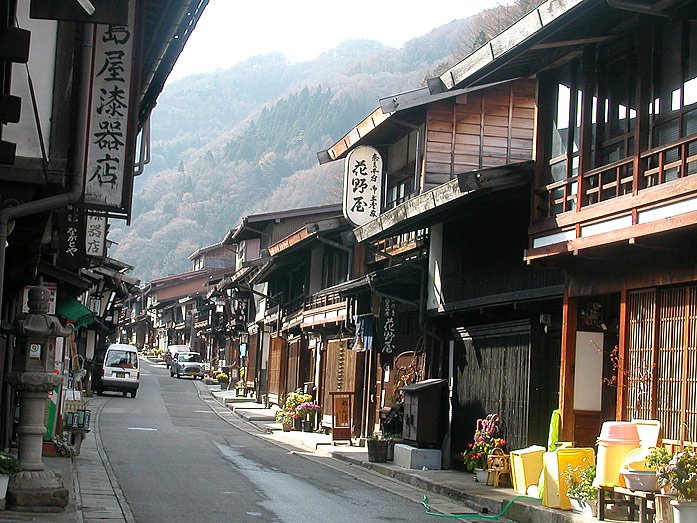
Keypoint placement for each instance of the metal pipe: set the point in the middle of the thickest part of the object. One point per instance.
(47, 204)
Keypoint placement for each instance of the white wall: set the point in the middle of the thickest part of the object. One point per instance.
(435, 257)
(42, 59)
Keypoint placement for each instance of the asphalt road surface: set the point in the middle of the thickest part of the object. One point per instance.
(176, 460)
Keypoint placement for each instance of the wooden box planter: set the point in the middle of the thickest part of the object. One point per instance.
(377, 451)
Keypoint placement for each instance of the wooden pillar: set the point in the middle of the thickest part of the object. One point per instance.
(568, 360)
(644, 47)
(588, 82)
(542, 136)
(620, 407)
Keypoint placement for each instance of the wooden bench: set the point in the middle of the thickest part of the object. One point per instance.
(634, 500)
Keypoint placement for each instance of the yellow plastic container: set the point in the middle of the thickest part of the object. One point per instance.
(611, 458)
(617, 439)
(550, 497)
(526, 465)
(555, 463)
(571, 457)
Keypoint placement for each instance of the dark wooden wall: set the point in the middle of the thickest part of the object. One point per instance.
(483, 252)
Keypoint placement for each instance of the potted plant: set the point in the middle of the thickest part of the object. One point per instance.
(293, 399)
(307, 410)
(240, 388)
(485, 441)
(222, 379)
(377, 449)
(9, 465)
(681, 474)
(285, 418)
(583, 495)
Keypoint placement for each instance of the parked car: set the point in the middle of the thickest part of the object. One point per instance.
(187, 364)
(117, 369)
(171, 351)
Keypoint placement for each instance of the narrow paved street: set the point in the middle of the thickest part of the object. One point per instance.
(175, 459)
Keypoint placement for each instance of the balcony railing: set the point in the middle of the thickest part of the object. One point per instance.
(658, 166)
(402, 242)
(317, 302)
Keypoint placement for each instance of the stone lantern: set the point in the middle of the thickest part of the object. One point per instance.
(33, 377)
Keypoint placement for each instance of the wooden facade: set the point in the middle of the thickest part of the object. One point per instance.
(278, 359)
(660, 379)
(338, 374)
(489, 127)
(617, 154)
(251, 361)
(626, 164)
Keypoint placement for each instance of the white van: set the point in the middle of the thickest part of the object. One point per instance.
(118, 369)
(171, 351)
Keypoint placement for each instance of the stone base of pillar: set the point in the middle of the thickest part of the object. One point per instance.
(37, 491)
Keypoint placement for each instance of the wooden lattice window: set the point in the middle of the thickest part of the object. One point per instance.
(661, 363)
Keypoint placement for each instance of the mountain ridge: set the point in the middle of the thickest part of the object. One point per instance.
(244, 140)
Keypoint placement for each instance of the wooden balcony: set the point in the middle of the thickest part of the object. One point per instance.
(319, 310)
(638, 196)
(400, 244)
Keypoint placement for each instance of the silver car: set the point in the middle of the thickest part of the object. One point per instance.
(187, 364)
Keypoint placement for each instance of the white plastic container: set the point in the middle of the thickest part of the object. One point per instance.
(644, 480)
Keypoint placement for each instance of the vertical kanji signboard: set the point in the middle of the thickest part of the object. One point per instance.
(362, 185)
(108, 124)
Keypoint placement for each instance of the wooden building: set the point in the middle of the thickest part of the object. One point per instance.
(59, 171)
(311, 321)
(271, 311)
(613, 200)
(448, 258)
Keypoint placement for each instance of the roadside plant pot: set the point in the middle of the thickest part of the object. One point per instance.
(377, 451)
(684, 511)
(583, 507)
(287, 427)
(481, 475)
(308, 426)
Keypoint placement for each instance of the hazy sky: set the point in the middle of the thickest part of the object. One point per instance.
(231, 31)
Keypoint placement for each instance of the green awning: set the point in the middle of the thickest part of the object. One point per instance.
(75, 312)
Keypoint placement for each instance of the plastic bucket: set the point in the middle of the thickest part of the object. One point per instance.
(622, 432)
(617, 439)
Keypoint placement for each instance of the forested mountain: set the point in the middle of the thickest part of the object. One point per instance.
(244, 140)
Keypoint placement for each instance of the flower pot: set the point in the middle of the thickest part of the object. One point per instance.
(583, 507)
(481, 475)
(287, 427)
(377, 451)
(684, 511)
(297, 424)
(308, 426)
(4, 480)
